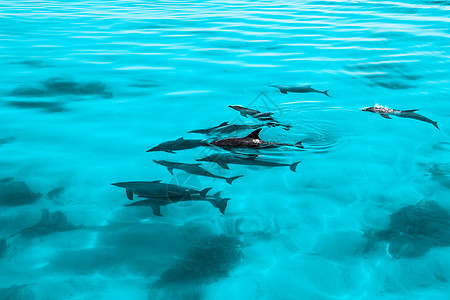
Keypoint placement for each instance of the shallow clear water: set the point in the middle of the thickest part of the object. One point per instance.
(88, 87)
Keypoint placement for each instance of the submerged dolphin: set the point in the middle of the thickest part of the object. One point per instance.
(261, 116)
(178, 144)
(224, 159)
(298, 89)
(158, 189)
(192, 169)
(385, 112)
(156, 203)
(225, 128)
(250, 112)
(251, 141)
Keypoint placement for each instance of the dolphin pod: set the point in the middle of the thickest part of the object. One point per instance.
(157, 194)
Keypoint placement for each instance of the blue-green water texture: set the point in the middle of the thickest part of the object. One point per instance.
(87, 87)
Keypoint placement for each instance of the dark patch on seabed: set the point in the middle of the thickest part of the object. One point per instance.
(441, 173)
(62, 86)
(207, 261)
(414, 230)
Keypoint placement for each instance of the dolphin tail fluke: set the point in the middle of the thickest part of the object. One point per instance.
(299, 145)
(204, 192)
(436, 125)
(129, 194)
(220, 204)
(326, 93)
(293, 167)
(231, 179)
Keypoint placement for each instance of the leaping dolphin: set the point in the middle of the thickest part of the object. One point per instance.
(156, 203)
(385, 112)
(224, 159)
(251, 141)
(298, 89)
(158, 189)
(192, 169)
(178, 144)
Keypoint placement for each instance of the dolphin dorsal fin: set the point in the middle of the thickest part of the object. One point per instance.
(223, 124)
(254, 134)
(411, 110)
(155, 181)
(180, 139)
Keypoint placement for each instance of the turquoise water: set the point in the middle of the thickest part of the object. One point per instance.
(88, 87)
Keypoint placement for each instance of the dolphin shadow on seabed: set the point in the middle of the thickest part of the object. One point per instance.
(50, 222)
(413, 231)
(15, 193)
(159, 194)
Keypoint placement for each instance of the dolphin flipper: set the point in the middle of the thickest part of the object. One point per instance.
(220, 204)
(385, 116)
(224, 165)
(170, 169)
(129, 194)
(168, 151)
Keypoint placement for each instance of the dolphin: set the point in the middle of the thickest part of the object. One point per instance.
(192, 169)
(251, 141)
(178, 144)
(298, 89)
(261, 116)
(225, 128)
(156, 203)
(385, 112)
(158, 189)
(224, 159)
(250, 112)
